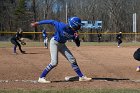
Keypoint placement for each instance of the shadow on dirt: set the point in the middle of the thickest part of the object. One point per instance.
(76, 78)
(111, 79)
(33, 53)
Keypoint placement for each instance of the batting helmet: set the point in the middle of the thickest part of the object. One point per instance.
(136, 54)
(75, 23)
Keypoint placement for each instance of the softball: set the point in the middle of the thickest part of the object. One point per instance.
(138, 69)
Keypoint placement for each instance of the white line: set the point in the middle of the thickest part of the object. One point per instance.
(35, 81)
(6, 81)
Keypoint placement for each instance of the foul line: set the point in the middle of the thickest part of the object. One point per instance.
(7, 81)
(35, 81)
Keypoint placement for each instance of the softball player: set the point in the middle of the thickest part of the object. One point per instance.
(63, 32)
(45, 38)
(16, 39)
(119, 38)
(136, 56)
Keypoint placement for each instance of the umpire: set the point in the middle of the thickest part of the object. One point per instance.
(119, 38)
(16, 39)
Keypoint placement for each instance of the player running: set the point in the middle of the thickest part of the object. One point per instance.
(63, 32)
(16, 39)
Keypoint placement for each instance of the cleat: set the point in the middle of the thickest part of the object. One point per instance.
(138, 69)
(46, 47)
(23, 52)
(43, 80)
(15, 53)
(84, 78)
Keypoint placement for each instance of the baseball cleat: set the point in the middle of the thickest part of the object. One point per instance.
(15, 53)
(84, 78)
(71, 78)
(43, 80)
(23, 52)
(138, 69)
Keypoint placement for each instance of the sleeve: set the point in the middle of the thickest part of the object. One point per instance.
(52, 22)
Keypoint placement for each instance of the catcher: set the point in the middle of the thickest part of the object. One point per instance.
(63, 32)
(17, 39)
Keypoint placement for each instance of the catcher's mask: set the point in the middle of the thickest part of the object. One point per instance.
(136, 54)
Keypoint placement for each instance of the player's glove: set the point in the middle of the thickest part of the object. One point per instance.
(22, 41)
(77, 41)
(136, 54)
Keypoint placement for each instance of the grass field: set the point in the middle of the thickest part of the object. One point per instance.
(40, 44)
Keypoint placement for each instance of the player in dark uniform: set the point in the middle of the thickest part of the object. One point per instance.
(16, 40)
(136, 56)
(119, 38)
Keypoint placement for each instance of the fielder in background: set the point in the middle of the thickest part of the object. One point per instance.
(45, 38)
(16, 40)
(63, 32)
(136, 56)
(119, 38)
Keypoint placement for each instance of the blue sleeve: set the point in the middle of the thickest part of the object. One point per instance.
(52, 22)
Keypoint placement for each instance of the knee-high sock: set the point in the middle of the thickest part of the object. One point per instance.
(46, 71)
(15, 49)
(77, 69)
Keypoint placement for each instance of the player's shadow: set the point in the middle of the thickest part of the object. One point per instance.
(111, 79)
(76, 78)
(33, 53)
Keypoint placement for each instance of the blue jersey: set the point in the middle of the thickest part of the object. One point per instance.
(62, 31)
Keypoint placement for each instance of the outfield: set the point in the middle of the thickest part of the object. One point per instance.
(111, 68)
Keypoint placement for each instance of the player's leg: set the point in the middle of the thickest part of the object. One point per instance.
(19, 46)
(54, 61)
(46, 42)
(15, 45)
(68, 55)
(119, 42)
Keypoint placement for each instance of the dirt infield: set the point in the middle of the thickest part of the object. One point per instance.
(109, 66)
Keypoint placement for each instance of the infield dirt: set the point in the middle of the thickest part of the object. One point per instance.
(109, 66)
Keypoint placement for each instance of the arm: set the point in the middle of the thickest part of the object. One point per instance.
(52, 22)
(76, 39)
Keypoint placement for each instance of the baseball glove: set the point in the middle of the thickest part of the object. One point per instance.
(22, 41)
(136, 54)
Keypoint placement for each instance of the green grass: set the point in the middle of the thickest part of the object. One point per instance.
(73, 91)
(40, 44)
(28, 44)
